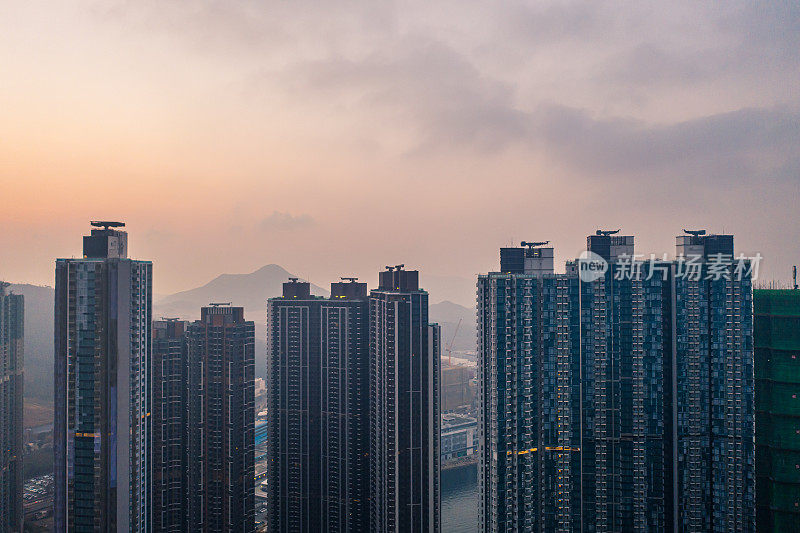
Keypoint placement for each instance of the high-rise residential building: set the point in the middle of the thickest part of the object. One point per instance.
(777, 360)
(529, 467)
(221, 440)
(12, 319)
(625, 421)
(713, 388)
(621, 400)
(405, 353)
(318, 411)
(102, 422)
(170, 421)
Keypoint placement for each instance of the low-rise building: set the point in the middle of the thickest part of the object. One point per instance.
(458, 436)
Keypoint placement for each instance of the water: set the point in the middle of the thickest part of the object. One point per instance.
(460, 503)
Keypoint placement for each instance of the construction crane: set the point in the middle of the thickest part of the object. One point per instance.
(452, 341)
(351, 280)
(607, 232)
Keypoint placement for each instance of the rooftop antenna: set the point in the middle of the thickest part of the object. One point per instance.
(695, 232)
(351, 280)
(105, 224)
(219, 304)
(607, 232)
(794, 277)
(533, 244)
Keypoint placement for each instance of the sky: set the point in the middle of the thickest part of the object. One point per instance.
(334, 138)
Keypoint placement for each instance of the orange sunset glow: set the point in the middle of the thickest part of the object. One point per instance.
(334, 138)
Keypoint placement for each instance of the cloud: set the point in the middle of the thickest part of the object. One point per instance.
(576, 54)
(677, 108)
(463, 79)
(422, 84)
(279, 221)
(727, 148)
(430, 88)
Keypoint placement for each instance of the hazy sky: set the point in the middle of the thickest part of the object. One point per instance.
(336, 137)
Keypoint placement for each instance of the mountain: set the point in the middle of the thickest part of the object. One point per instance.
(38, 340)
(447, 314)
(450, 288)
(250, 291)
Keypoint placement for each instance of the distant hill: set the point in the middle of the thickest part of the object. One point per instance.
(450, 288)
(250, 291)
(38, 340)
(447, 314)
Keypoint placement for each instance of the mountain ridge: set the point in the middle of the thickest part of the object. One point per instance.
(250, 290)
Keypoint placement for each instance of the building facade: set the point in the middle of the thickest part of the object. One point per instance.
(459, 436)
(221, 440)
(777, 358)
(170, 420)
(621, 401)
(102, 423)
(626, 442)
(714, 388)
(405, 360)
(318, 411)
(529, 469)
(457, 386)
(12, 321)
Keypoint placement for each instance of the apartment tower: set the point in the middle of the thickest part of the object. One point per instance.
(12, 319)
(617, 396)
(171, 424)
(318, 412)
(221, 439)
(404, 408)
(102, 427)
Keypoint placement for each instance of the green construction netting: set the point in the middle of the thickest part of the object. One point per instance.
(785, 521)
(780, 465)
(777, 365)
(778, 398)
(784, 496)
(776, 302)
(778, 431)
(777, 332)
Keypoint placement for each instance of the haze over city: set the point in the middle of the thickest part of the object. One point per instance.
(332, 138)
(401, 266)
